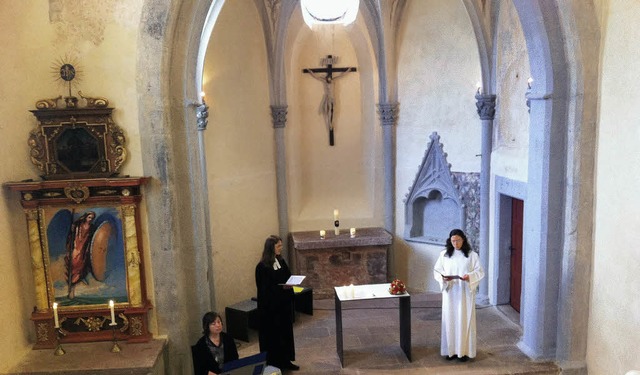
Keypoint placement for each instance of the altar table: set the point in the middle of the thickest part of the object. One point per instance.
(345, 294)
(341, 259)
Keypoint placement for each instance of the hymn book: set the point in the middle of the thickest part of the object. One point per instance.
(294, 280)
(450, 276)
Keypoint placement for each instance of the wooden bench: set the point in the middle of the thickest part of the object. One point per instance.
(243, 315)
(240, 317)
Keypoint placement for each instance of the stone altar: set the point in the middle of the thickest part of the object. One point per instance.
(340, 260)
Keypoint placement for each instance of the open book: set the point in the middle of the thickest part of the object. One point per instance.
(450, 276)
(294, 280)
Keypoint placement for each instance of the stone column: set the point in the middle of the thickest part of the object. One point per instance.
(486, 105)
(202, 115)
(279, 120)
(388, 117)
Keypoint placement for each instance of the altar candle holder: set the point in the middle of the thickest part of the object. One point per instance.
(115, 348)
(336, 231)
(59, 350)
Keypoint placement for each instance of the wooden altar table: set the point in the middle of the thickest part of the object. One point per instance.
(340, 260)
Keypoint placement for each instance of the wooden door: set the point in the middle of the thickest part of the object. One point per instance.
(517, 211)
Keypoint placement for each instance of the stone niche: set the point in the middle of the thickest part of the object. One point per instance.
(434, 205)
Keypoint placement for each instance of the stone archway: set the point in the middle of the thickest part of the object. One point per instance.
(168, 62)
(563, 54)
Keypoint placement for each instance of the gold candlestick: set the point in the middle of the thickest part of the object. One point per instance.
(59, 350)
(115, 348)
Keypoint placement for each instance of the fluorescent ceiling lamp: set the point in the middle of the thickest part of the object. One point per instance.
(323, 12)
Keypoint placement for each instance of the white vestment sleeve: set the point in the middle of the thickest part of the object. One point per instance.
(438, 271)
(476, 272)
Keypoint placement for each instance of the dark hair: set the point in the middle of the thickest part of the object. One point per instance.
(207, 319)
(466, 248)
(269, 251)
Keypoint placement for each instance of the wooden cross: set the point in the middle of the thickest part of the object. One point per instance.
(327, 104)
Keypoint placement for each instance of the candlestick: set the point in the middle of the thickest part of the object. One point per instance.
(56, 321)
(322, 234)
(115, 348)
(352, 232)
(113, 314)
(59, 350)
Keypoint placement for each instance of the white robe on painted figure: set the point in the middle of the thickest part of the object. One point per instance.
(458, 302)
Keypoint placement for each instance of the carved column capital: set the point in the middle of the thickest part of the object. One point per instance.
(388, 113)
(279, 115)
(202, 113)
(486, 106)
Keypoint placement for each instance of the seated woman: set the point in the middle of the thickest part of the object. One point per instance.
(214, 348)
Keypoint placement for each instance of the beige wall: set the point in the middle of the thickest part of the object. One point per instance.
(40, 34)
(240, 151)
(438, 70)
(346, 176)
(614, 316)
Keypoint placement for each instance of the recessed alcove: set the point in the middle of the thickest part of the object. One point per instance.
(434, 204)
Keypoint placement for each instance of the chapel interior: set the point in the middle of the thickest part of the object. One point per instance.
(514, 120)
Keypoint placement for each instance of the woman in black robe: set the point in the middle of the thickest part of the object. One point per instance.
(275, 306)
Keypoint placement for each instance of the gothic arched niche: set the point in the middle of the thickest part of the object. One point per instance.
(434, 204)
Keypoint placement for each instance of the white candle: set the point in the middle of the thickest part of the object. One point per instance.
(113, 313)
(335, 214)
(323, 233)
(352, 232)
(336, 231)
(352, 291)
(56, 322)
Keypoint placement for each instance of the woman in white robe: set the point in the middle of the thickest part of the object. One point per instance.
(458, 271)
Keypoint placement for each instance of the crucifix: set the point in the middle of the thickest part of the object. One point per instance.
(328, 100)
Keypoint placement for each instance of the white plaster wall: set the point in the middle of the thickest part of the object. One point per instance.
(509, 157)
(35, 36)
(438, 68)
(614, 315)
(240, 151)
(346, 176)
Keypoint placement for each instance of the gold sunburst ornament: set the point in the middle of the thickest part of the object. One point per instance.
(66, 71)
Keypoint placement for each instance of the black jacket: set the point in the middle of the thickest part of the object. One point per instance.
(203, 360)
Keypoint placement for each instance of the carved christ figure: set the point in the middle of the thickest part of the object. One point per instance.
(328, 100)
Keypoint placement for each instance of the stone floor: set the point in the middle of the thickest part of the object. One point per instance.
(371, 341)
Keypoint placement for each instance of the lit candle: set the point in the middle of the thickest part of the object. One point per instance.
(352, 232)
(322, 234)
(202, 96)
(335, 215)
(113, 313)
(529, 82)
(56, 321)
(352, 291)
